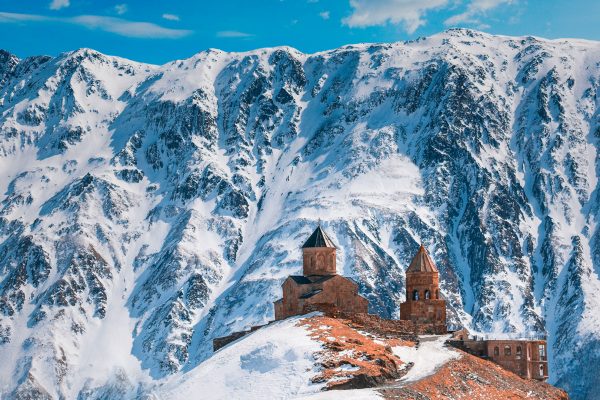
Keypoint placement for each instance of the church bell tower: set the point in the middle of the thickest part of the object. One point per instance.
(318, 254)
(423, 301)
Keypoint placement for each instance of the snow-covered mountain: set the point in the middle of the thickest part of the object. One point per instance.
(147, 209)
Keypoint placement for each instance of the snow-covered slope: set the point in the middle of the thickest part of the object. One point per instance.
(145, 210)
(426, 358)
(277, 362)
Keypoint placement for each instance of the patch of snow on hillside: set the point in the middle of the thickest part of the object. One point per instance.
(356, 394)
(427, 357)
(391, 186)
(274, 362)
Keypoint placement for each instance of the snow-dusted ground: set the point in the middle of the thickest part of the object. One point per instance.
(275, 362)
(356, 394)
(427, 357)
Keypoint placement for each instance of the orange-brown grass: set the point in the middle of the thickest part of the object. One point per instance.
(472, 378)
(372, 363)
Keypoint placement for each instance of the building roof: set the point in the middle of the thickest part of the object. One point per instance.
(422, 262)
(300, 280)
(304, 280)
(318, 239)
(311, 294)
(323, 278)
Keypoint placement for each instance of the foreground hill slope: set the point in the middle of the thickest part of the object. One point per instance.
(301, 357)
(146, 209)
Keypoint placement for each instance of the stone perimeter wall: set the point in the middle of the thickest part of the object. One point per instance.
(390, 328)
(225, 340)
(393, 328)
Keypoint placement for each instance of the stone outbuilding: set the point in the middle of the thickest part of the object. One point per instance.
(319, 286)
(424, 304)
(525, 357)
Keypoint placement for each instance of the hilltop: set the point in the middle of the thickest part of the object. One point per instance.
(302, 356)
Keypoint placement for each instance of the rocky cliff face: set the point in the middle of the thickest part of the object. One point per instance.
(145, 210)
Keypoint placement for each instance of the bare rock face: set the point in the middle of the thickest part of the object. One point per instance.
(145, 210)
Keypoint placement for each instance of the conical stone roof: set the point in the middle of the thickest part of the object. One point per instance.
(318, 239)
(422, 262)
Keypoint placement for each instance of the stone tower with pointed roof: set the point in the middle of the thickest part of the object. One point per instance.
(318, 254)
(423, 302)
(319, 287)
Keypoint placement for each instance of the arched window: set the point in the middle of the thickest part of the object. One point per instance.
(320, 261)
(427, 295)
(496, 351)
(507, 350)
(542, 351)
(437, 294)
(519, 351)
(415, 294)
(541, 370)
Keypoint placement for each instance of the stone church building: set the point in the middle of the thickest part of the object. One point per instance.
(424, 311)
(319, 286)
(424, 304)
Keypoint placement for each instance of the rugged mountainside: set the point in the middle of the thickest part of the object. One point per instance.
(145, 210)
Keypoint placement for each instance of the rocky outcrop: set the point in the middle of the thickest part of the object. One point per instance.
(349, 359)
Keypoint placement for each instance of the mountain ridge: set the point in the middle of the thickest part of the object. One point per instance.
(171, 200)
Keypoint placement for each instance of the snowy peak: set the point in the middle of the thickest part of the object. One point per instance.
(163, 206)
(8, 62)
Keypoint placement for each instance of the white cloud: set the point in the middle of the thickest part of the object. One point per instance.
(408, 13)
(171, 17)
(14, 17)
(324, 14)
(476, 9)
(58, 4)
(129, 28)
(121, 9)
(117, 26)
(233, 34)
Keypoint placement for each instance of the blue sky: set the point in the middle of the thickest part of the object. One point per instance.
(158, 31)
